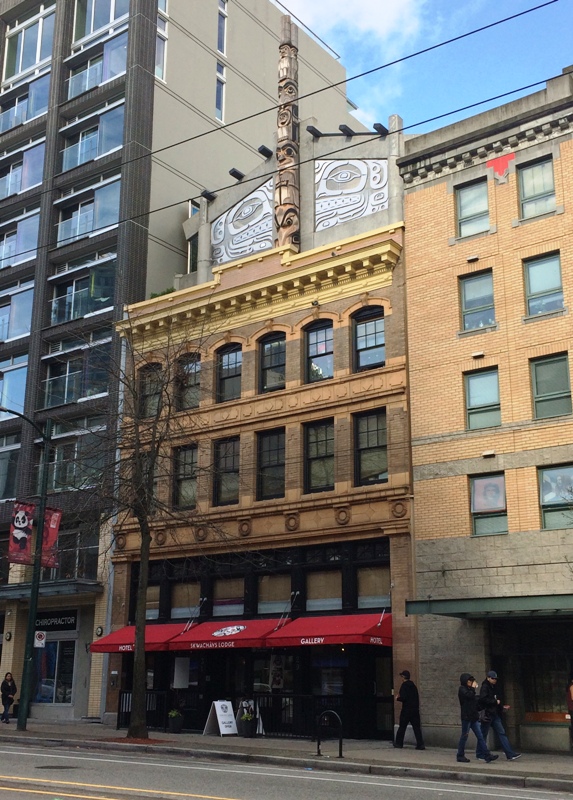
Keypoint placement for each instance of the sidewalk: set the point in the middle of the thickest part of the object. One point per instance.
(533, 770)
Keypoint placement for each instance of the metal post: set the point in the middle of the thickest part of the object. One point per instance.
(27, 672)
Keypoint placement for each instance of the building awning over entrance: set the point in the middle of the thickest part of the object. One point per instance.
(542, 605)
(221, 635)
(346, 629)
(122, 641)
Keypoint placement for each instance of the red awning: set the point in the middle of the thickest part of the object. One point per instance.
(347, 629)
(223, 635)
(122, 641)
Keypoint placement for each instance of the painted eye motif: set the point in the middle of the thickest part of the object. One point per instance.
(248, 211)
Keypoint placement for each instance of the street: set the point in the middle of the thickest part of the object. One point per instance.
(28, 773)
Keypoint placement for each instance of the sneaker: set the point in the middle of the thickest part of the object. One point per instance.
(514, 757)
(491, 758)
(463, 760)
(480, 758)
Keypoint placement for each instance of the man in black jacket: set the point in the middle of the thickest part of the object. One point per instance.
(489, 705)
(410, 712)
(469, 712)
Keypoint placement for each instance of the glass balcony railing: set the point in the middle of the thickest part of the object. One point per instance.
(73, 564)
(13, 116)
(11, 183)
(7, 253)
(75, 305)
(77, 226)
(62, 389)
(85, 150)
(84, 80)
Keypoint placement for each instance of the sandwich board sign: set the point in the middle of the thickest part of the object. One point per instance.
(221, 719)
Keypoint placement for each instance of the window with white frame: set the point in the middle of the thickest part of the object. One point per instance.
(84, 294)
(95, 15)
(13, 374)
(536, 189)
(488, 504)
(77, 462)
(81, 370)
(472, 209)
(556, 496)
(9, 453)
(222, 27)
(21, 170)
(108, 63)
(16, 314)
(483, 408)
(25, 106)
(19, 239)
(29, 40)
(161, 41)
(95, 212)
(220, 92)
(543, 285)
(102, 134)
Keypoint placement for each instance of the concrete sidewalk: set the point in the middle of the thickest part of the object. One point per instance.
(363, 756)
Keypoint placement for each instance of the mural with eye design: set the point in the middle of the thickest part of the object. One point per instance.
(246, 228)
(347, 190)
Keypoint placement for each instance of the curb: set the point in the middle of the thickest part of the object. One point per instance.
(322, 763)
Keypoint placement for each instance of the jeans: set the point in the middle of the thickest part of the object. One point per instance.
(6, 712)
(475, 727)
(497, 725)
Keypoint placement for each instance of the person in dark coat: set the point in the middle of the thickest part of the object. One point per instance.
(7, 691)
(410, 712)
(469, 713)
(490, 705)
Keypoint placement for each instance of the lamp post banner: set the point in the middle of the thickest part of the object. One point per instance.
(20, 546)
(52, 519)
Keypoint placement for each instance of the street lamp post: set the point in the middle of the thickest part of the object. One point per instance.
(27, 672)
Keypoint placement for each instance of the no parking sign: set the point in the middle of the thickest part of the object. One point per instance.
(40, 639)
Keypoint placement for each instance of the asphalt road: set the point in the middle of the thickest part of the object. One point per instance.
(28, 774)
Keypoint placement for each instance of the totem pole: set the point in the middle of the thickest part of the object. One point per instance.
(287, 194)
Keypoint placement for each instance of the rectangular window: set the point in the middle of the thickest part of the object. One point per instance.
(543, 285)
(226, 479)
(228, 597)
(222, 27)
(161, 41)
(96, 140)
(27, 106)
(370, 448)
(373, 587)
(273, 594)
(23, 174)
(9, 453)
(189, 381)
(272, 354)
(150, 390)
(85, 295)
(91, 216)
(556, 496)
(324, 591)
(20, 243)
(92, 15)
(319, 352)
(229, 367)
(220, 92)
(482, 400)
(319, 456)
(16, 315)
(185, 488)
(369, 335)
(101, 68)
(29, 41)
(77, 463)
(85, 375)
(536, 189)
(472, 209)
(13, 374)
(551, 386)
(488, 506)
(185, 600)
(271, 464)
(477, 301)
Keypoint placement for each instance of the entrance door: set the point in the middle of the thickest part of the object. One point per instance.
(384, 701)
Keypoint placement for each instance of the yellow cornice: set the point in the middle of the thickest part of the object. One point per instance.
(323, 273)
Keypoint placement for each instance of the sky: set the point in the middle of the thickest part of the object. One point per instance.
(370, 33)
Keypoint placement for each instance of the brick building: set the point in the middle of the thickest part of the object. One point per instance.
(489, 289)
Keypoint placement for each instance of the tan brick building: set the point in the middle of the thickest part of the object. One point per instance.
(489, 266)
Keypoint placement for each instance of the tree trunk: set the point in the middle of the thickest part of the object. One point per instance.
(138, 719)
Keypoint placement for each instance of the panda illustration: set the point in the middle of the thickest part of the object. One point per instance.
(22, 525)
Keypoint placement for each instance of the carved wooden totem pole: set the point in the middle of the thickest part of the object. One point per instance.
(287, 191)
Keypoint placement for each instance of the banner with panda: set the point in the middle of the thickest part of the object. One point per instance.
(20, 547)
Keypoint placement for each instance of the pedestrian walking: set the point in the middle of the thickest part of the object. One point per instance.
(410, 712)
(489, 715)
(8, 691)
(469, 713)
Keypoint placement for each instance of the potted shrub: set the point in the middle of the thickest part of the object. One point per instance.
(175, 719)
(249, 722)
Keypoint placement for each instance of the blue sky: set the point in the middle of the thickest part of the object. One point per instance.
(368, 33)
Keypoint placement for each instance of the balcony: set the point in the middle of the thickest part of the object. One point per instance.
(80, 153)
(81, 224)
(62, 389)
(7, 252)
(13, 116)
(86, 79)
(11, 184)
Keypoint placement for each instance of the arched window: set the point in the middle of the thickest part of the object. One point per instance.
(369, 341)
(188, 381)
(319, 351)
(229, 364)
(272, 362)
(150, 387)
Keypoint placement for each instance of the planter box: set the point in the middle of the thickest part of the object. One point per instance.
(175, 724)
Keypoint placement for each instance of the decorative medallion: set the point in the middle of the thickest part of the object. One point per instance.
(200, 533)
(245, 526)
(342, 514)
(398, 509)
(292, 521)
(160, 538)
(120, 541)
(246, 229)
(348, 190)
